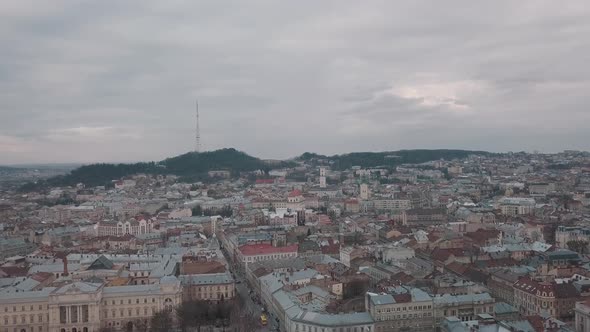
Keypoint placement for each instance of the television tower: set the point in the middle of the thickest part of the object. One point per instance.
(197, 131)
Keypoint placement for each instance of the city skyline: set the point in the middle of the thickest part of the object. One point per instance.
(116, 82)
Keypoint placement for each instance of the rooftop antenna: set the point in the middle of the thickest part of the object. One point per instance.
(197, 131)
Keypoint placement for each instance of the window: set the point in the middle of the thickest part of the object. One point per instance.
(85, 313)
(74, 314)
(62, 315)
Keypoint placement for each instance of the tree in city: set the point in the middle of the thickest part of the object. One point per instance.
(332, 215)
(197, 211)
(241, 320)
(356, 287)
(192, 314)
(140, 326)
(578, 246)
(161, 321)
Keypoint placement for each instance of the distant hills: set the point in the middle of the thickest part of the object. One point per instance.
(193, 166)
(387, 159)
(8, 169)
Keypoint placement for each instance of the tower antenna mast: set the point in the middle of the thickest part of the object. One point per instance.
(197, 131)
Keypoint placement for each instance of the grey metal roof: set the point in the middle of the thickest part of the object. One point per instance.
(40, 295)
(334, 320)
(447, 299)
(131, 289)
(206, 279)
(82, 287)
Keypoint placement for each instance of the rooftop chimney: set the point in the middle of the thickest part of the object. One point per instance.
(65, 260)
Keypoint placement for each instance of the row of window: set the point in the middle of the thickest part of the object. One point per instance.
(305, 328)
(268, 257)
(419, 307)
(212, 296)
(24, 308)
(23, 319)
(138, 311)
(137, 301)
(31, 329)
(404, 316)
(208, 288)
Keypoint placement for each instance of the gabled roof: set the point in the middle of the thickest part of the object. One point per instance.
(101, 263)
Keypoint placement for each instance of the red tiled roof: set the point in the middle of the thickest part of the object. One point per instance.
(432, 237)
(442, 255)
(402, 298)
(41, 276)
(537, 322)
(264, 181)
(482, 235)
(295, 193)
(457, 268)
(14, 271)
(263, 249)
(402, 277)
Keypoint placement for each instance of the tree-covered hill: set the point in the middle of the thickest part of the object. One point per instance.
(388, 159)
(189, 166)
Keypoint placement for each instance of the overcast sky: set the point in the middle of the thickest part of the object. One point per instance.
(86, 81)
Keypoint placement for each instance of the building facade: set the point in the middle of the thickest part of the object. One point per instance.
(87, 307)
(208, 287)
(412, 311)
(133, 227)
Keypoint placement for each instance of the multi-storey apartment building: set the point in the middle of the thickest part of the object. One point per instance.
(424, 217)
(87, 307)
(118, 228)
(464, 307)
(260, 252)
(582, 313)
(564, 234)
(392, 204)
(409, 311)
(534, 297)
(208, 287)
(513, 206)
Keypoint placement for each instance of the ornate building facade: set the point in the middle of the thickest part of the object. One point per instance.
(87, 306)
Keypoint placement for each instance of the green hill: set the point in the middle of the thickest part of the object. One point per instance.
(194, 166)
(190, 166)
(388, 159)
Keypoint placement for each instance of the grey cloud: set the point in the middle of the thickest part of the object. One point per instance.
(277, 79)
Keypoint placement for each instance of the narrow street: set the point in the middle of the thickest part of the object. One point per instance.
(253, 309)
